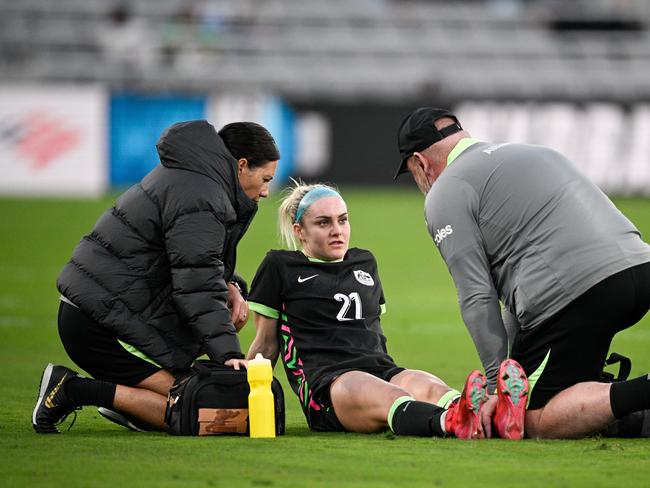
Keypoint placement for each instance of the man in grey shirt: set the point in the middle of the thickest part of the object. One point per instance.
(520, 225)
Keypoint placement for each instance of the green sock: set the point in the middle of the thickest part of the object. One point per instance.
(448, 398)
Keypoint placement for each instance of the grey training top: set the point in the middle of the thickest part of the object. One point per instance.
(520, 224)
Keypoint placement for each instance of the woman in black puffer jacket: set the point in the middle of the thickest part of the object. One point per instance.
(153, 286)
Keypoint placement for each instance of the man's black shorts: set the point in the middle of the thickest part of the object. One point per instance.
(94, 349)
(321, 416)
(572, 346)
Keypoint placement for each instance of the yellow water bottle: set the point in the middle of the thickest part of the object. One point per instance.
(261, 410)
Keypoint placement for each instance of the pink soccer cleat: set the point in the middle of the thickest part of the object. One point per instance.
(462, 419)
(512, 394)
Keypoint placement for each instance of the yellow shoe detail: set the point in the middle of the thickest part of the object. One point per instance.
(49, 401)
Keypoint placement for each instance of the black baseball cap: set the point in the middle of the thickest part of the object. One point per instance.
(418, 131)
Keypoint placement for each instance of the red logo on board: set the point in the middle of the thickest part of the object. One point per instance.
(40, 138)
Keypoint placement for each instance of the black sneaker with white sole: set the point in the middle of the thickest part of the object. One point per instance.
(53, 405)
(124, 420)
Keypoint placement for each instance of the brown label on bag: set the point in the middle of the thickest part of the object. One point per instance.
(215, 421)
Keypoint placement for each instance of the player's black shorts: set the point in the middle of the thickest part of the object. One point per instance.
(572, 346)
(321, 416)
(94, 349)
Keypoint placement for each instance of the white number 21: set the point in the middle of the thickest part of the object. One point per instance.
(347, 300)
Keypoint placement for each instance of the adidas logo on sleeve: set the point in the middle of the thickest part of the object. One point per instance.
(441, 234)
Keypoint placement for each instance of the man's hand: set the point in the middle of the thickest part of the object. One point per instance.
(487, 412)
(238, 307)
(237, 363)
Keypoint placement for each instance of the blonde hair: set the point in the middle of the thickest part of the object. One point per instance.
(291, 198)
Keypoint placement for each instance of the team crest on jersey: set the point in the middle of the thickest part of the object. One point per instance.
(364, 278)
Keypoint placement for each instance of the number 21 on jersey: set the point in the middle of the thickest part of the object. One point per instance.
(348, 300)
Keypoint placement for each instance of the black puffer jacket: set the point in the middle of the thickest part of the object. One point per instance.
(155, 267)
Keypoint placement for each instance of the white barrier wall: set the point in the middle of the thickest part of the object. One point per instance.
(53, 140)
(608, 142)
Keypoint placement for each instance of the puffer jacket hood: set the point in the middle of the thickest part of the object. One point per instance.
(195, 146)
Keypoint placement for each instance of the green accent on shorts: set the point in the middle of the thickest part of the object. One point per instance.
(396, 404)
(446, 399)
(264, 310)
(532, 379)
(382, 307)
(460, 147)
(294, 360)
(137, 353)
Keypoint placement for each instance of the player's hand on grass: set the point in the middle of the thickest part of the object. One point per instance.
(237, 363)
(487, 412)
(238, 307)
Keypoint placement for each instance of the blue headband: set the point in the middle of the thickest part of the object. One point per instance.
(311, 197)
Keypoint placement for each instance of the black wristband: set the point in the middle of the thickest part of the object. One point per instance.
(241, 285)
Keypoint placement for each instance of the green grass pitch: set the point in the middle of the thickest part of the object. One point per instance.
(424, 331)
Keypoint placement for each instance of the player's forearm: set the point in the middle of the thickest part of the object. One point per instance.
(483, 320)
(265, 348)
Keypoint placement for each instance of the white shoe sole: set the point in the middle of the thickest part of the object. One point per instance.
(119, 419)
(45, 380)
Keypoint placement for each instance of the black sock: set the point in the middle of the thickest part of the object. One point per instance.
(412, 417)
(86, 391)
(630, 396)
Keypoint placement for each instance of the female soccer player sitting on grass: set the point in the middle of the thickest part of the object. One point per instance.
(318, 308)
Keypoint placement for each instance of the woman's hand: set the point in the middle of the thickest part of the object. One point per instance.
(237, 363)
(238, 307)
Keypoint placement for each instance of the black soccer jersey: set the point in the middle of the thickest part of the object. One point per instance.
(328, 316)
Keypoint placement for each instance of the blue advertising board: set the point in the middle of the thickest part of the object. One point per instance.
(138, 120)
(136, 123)
(278, 118)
